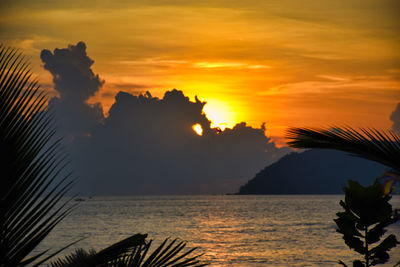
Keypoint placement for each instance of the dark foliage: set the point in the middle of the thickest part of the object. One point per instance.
(370, 202)
(366, 143)
(169, 253)
(31, 188)
(362, 223)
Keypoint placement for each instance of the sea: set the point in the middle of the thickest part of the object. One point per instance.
(229, 230)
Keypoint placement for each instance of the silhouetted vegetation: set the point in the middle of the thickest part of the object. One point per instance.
(382, 147)
(366, 214)
(167, 254)
(364, 207)
(31, 162)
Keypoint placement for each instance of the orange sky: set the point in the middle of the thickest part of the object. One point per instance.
(286, 63)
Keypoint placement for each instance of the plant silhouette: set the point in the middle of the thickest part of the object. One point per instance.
(31, 187)
(364, 207)
(382, 147)
(366, 214)
(166, 254)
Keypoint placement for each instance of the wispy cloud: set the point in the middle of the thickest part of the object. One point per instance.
(153, 61)
(229, 65)
(334, 78)
(336, 85)
(32, 44)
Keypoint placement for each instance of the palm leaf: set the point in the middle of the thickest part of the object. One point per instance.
(82, 258)
(164, 255)
(168, 253)
(382, 147)
(31, 187)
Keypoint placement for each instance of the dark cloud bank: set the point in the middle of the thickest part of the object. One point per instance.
(146, 145)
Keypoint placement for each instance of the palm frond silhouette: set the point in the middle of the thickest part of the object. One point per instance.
(32, 160)
(168, 253)
(379, 146)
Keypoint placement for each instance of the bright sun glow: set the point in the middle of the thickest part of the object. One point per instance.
(220, 114)
(198, 129)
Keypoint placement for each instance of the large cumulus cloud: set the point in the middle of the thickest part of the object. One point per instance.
(75, 82)
(146, 145)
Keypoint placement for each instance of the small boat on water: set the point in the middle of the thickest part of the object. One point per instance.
(80, 199)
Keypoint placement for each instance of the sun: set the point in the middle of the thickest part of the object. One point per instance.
(198, 129)
(220, 114)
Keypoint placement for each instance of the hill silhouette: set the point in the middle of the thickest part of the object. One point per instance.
(313, 171)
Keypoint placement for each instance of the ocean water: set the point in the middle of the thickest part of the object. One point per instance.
(268, 230)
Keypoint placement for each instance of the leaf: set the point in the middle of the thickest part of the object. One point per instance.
(379, 230)
(114, 251)
(382, 147)
(379, 253)
(368, 203)
(31, 188)
(75, 258)
(379, 258)
(354, 243)
(346, 226)
(166, 254)
(358, 263)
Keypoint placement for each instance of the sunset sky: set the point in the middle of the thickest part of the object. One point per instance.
(285, 63)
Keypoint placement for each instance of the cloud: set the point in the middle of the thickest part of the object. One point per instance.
(72, 76)
(75, 82)
(381, 87)
(154, 61)
(147, 145)
(134, 86)
(229, 65)
(395, 118)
